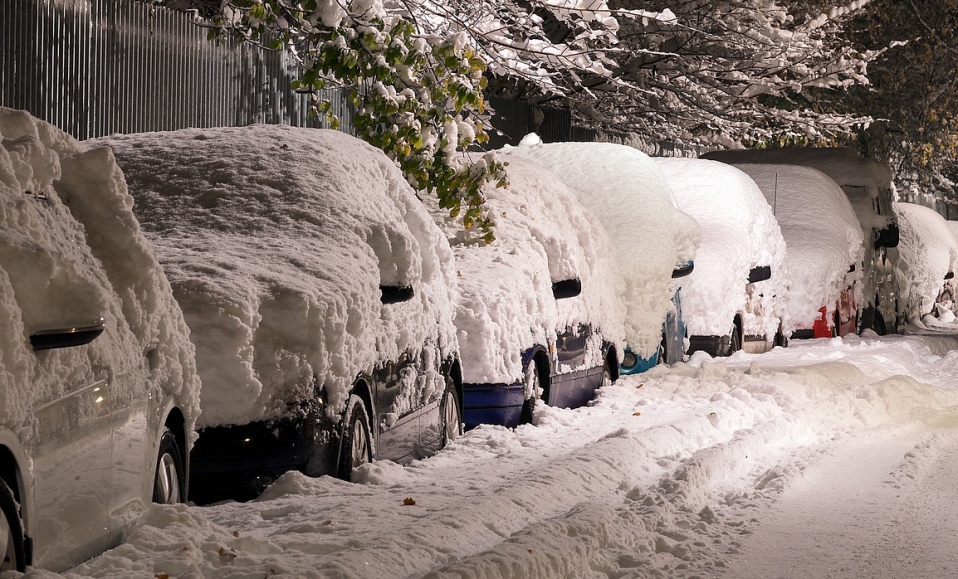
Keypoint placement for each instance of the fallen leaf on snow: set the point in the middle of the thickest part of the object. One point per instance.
(408, 502)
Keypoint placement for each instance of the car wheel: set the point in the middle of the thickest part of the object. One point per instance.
(169, 481)
(451, 414)
(11, 532)
(532, 385)
(735, 341)
(780, 339)
(606, 376)
(356, 448)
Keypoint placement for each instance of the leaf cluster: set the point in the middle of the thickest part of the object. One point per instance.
(418, 97)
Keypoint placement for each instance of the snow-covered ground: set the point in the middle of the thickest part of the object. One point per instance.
(830, 458)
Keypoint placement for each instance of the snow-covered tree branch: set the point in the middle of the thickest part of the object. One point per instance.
(417, 96)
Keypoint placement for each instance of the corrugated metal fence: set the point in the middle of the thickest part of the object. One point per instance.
(96, 67)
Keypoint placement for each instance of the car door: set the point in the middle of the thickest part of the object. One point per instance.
(397, 404)
(72, 458)
(573, 385)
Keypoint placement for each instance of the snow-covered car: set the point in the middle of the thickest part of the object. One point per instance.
(736, 298)
(319, 292)
(539, 315)
(928, 257)
(868, 185)
(823, 240)
(97, 372)
(654, 241)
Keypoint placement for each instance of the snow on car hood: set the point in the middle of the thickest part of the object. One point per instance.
(822, 235)
(928, 250)
(542, 235)
(739, 232)
(276, 240)
(630, 197)
(70, 252)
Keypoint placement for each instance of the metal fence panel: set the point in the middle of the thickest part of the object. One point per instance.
(96, 67)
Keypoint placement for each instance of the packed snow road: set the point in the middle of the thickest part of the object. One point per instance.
(830, 458)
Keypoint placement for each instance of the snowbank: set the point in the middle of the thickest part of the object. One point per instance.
(506, 305)
(739, 232)
(71, 252)
(630, 197)
(822, 235)
(928, 251)
(276, 240)
(666, 475)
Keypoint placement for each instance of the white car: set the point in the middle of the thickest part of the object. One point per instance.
(654, 241)
(824, 243)
(319, 292)
(737, 296)
(97, 372)
(868, 185)
(928, 257)
(539, 316)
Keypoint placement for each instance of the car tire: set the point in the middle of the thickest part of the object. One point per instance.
(735, 341)
(11, 527)
(357, 441)
(606, 376)
(532, 384)
(780, 339)
(451, 414)
(169, 480)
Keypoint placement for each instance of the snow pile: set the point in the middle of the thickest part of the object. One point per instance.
(822, 235)
(70, 253)
(276, 240)
(666, 475)
(928, 251)
(739, 233)
(630, 197)
(506, 305)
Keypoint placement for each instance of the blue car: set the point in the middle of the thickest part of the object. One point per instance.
(539, 319)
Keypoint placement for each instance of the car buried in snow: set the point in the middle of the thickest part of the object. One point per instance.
(654, 241)
(928, 257)
(97, 372)
(868, 185)
(823, 241)
(736, 298)
(319, 294)
(538, 314)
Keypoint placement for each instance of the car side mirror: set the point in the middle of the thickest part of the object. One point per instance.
(683, 270)
(888, 236)
(393, 294)
(567, 288)
(760, 273)
(950, 275)
(67, 337)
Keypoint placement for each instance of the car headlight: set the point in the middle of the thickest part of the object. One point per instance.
(629, 360)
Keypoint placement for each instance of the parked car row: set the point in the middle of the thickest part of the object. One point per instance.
(203, 310)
